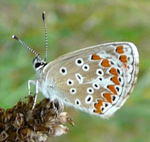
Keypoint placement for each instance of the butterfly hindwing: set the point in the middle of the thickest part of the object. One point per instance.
(96, 79)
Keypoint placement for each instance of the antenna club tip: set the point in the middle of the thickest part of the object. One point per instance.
(15, 37)
(43, 15)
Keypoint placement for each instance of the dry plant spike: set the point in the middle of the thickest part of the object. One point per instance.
(22, 124)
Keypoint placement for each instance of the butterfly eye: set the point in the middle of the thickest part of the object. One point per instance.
(37, 65)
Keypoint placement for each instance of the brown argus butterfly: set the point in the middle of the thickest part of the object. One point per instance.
(96, 79)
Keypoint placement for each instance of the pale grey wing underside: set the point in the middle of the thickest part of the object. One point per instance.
(96, 79)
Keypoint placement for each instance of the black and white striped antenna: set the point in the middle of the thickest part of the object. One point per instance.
(45, 34)
(25, 45)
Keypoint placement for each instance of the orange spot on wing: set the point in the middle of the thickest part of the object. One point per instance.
(107, 96)
(113, 71)
(112, 88)
(123, 58)
(119, 49)
(95, 57)
(115, 80)
(98, 106)
(105, 63)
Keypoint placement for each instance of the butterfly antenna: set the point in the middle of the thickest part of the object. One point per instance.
(25, 45)
(46, 35)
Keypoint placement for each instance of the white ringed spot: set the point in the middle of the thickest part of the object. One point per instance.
(90, 90)
(73, 91)
(77, 102)
(96, 86)
(79, 62)
(100, 79)
(85, 67)
(63, 70)
(99, 72)
(79, 78)
(70, 82)
(88, 99)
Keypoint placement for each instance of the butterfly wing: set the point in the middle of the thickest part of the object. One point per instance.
(96, 79)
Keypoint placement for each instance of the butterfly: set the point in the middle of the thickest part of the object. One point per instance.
(97, 79)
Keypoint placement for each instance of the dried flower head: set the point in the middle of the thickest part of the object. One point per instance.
(22, 123)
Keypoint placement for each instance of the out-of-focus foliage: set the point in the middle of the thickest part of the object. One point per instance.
(75, 24)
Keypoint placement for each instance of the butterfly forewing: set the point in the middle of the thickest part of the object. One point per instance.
(96, 79)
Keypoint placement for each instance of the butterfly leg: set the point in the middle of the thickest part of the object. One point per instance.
(30, 82)
(36, 93)
(36, 84)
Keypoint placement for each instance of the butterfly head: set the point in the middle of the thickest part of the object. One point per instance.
(38, 63)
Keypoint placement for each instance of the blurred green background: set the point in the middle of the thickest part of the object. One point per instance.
(72, 25)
